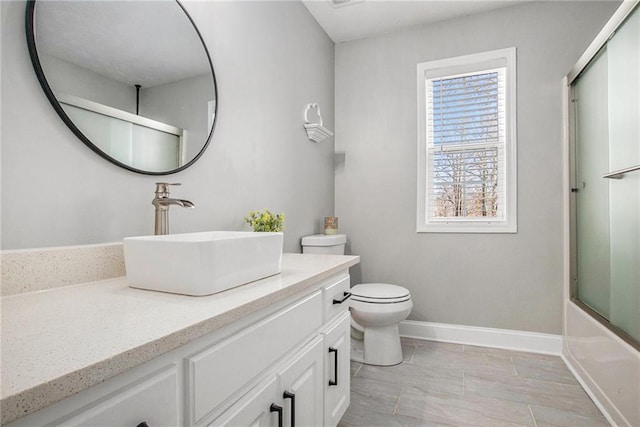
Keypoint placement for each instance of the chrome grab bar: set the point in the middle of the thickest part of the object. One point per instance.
(620, 173)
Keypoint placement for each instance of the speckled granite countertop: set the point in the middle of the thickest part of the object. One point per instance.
(58, 342)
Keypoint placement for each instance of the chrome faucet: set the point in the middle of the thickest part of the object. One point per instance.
(162, 201)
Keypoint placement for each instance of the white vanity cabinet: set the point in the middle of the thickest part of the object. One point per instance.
(312, 387)
(284, 365)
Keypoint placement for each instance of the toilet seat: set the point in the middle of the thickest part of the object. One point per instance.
(381, 300)
(380, 293)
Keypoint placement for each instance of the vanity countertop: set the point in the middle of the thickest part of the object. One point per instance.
(58, 342)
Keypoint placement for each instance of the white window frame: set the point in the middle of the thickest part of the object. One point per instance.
(453, 67)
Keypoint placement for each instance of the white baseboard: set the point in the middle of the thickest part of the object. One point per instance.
(532, 342)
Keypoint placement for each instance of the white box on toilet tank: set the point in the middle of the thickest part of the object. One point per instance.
(328, 244)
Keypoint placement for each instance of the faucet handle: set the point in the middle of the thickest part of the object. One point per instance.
(162, 188)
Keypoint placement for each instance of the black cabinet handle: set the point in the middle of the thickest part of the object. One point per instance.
(347, 295)
(278, 409)
(143, 424)
(335, 367)
(292, 396)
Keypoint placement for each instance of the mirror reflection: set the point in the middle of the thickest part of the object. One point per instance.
(132, 79)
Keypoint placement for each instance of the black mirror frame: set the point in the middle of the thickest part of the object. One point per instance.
(33, 53)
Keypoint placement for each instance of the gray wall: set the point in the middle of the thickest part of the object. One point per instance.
(270, 58)
(183, 103)
(511, 281)
(74, 80)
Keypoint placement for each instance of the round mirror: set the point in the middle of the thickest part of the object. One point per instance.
(132, 79)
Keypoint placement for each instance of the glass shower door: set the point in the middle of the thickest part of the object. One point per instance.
(624, 192)
(592, 195)
(606, 99)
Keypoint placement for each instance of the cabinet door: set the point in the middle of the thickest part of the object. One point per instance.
(337, 372)
(254, 409)
(301, 384)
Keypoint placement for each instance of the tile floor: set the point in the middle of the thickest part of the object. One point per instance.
(441, 384)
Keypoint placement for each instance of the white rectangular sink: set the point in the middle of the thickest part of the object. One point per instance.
(201, 263)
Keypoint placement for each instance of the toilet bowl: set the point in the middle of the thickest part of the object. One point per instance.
(376, 310)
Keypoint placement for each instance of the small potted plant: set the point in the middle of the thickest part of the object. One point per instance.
(265, 221)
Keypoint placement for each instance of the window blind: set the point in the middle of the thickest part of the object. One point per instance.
(465, 146)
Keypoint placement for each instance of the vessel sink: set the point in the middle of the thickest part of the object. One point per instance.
(201, 263)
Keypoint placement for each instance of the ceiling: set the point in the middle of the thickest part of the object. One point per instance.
(84, 32)
(134, 42)
(357, 19)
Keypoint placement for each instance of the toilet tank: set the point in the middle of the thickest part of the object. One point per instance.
(324, 244)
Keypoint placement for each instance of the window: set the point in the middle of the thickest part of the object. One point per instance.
(467, 144)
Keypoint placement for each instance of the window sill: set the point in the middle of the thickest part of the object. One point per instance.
(467, 227)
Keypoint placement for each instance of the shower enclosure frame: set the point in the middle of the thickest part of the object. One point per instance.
(588, 337)
(592, 51)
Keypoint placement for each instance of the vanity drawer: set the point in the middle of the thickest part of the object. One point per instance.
(336, 298)
(155, 400)
(222, 370)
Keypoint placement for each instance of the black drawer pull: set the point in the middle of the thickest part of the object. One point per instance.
(143, 424)
(347, 295)
(278, 409)
(292, 396)
(335, 367)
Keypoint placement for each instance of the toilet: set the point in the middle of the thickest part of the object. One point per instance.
(376, 309)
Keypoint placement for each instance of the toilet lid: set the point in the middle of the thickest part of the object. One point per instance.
(324, 240)
(380, 293)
